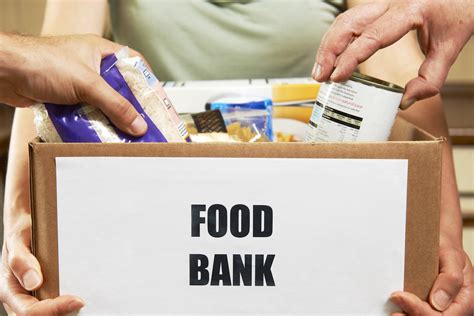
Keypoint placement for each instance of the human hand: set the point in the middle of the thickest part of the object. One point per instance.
(20, 272)
(443, 29)
(63, 70)
(452, 293)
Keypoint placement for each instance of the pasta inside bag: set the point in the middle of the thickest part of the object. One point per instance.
(249, 119)
(84, 123)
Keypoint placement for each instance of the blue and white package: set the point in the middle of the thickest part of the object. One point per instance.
(252, 112)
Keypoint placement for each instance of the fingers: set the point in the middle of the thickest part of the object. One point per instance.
(18, 301)
(340, 34)
(95, 91)
(450, 280)
(121, 112)
(24, 304)
(431, 77)
(388, 29)
(412, 305)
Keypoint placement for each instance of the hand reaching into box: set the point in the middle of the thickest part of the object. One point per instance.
(443, 29)
(63, 70)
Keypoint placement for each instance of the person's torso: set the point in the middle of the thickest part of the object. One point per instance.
(198, 39)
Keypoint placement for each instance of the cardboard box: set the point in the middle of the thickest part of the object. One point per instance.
(422, 151)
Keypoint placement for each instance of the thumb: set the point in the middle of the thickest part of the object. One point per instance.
(450, 280)
(411, 304)
(98, 93)
(431, 77)
(24, 304)
(24, 265)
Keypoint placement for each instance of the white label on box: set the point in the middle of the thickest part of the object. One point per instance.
(231, 235)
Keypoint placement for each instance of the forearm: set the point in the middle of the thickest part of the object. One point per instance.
(64, 17)
(20, 271)
(17, 202)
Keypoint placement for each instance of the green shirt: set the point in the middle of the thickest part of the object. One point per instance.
(202, 40)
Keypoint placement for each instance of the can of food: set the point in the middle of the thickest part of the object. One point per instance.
(361, 109)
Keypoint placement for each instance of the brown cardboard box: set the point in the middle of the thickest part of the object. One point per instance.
(422, 151)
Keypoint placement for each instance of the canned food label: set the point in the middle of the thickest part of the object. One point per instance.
(352, 111)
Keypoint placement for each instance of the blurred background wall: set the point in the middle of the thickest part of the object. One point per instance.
(25, 16)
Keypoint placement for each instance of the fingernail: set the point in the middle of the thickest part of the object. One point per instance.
(139, 125)
(335, 73)
(407, 103)
(75, 305)
(31, 280)
(394, 297)
(316, 71)
(441, 300)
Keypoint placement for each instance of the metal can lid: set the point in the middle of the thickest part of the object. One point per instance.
(374, 82)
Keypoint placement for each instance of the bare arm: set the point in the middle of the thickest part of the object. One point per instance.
(443, 28)
(18, 264)
(64, 17)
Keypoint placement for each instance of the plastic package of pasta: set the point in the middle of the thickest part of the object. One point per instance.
(248, 119)
(84, 123)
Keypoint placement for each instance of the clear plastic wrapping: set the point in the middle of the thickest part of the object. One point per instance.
(248, 119)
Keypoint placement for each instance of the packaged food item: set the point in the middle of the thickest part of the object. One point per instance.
(192, 95)
(247, 133)
(204, 122)
(247, 118)
(285, 138)
(361, 109)
(84, 123)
